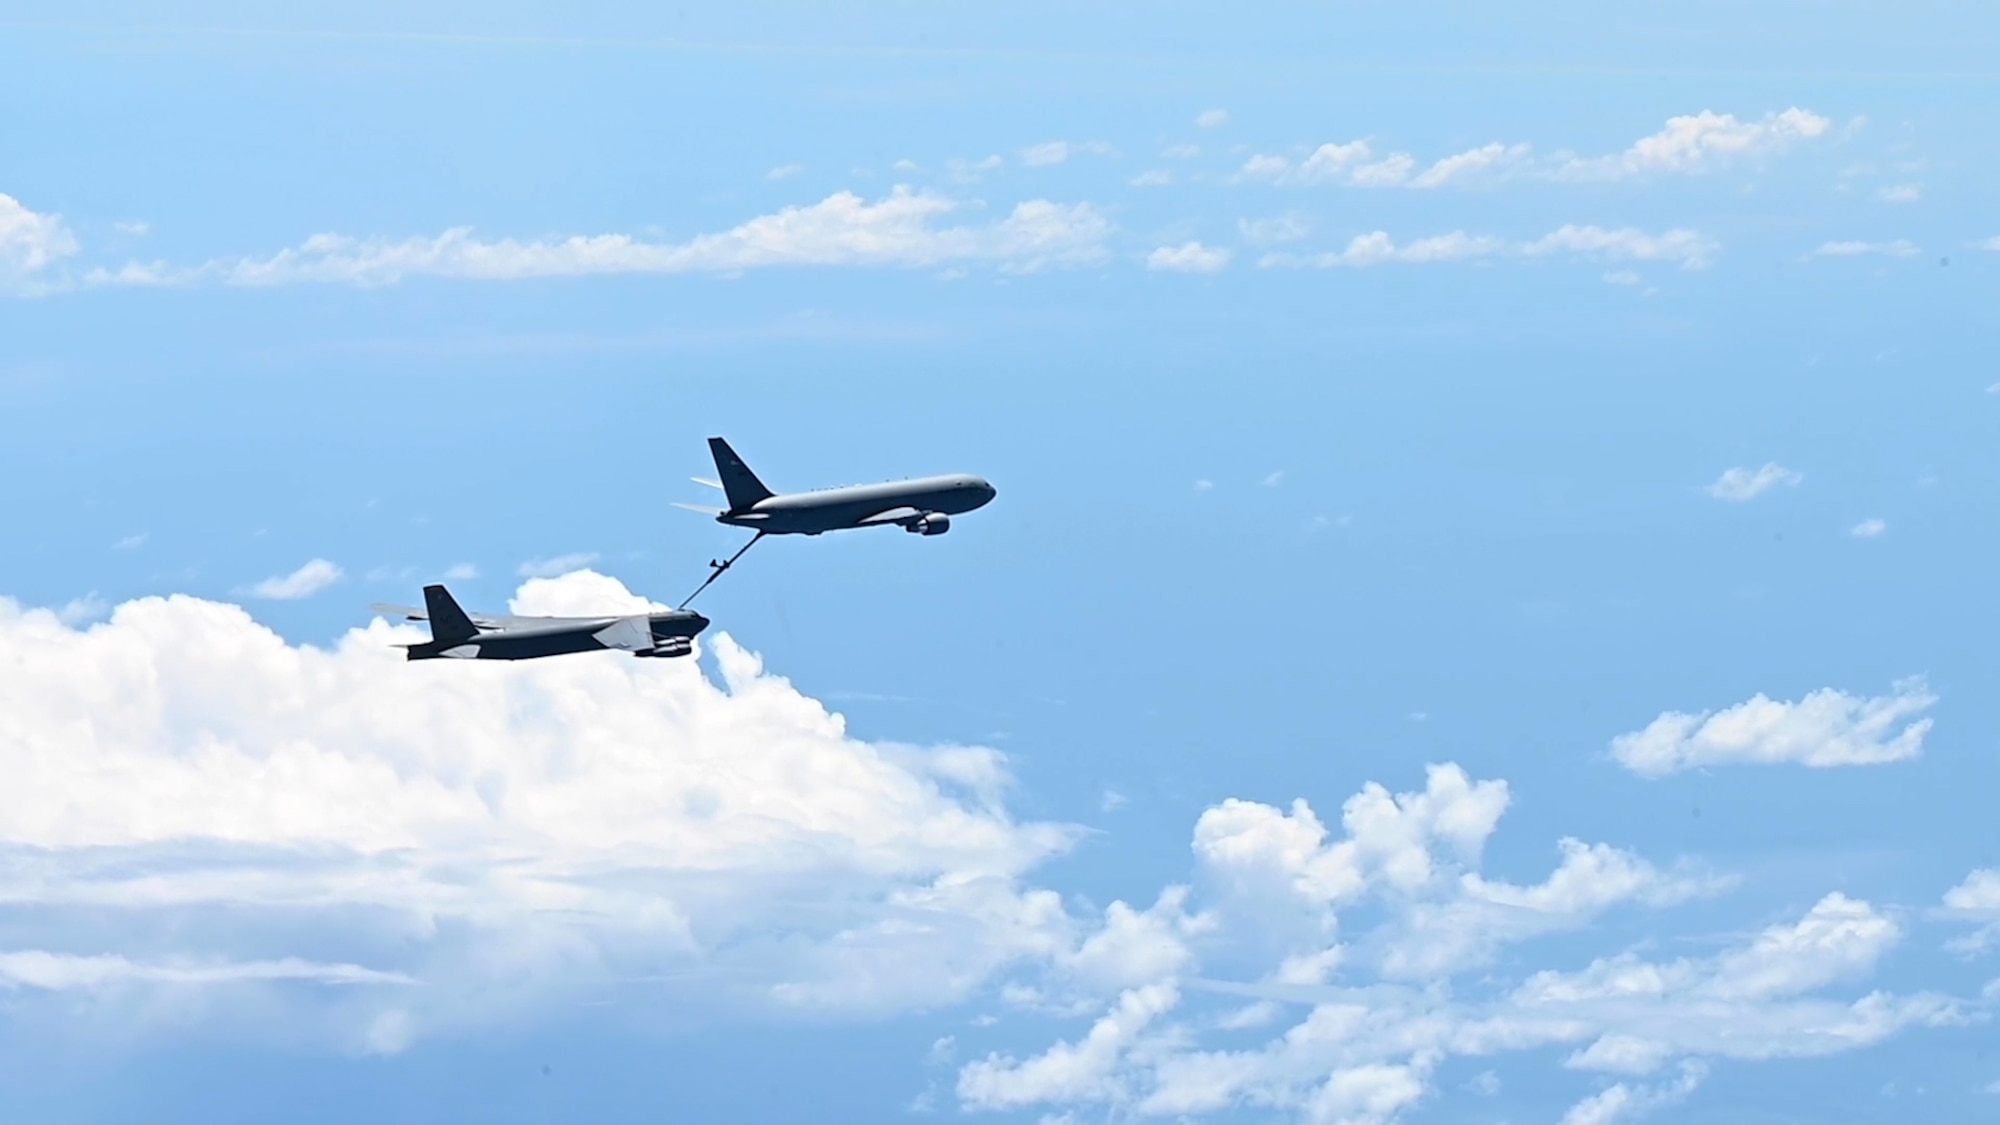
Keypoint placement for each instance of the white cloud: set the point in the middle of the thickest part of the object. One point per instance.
(29, 244)
(1626, 1102)
(304, 582)
(461, 572)
(1354, 1044)
(1989, 244)
(1478, 163)
(1900, 248)
(1740, 484)
(1868, 529)
(1977, 899)
(1204, 485)
(1686, 248)
(784, 171)
(1699, 142)
(1212, 118)
(133, 229)
(1623, 277)
(1274, 479)
(842, 230)
(1180, 152)
(131, 542)
(1689, 249)
(1900, 193)
(62, 972)
(556, 565)
(1057, 152)
(195, 801)
(1827, 728)
(1288, 227)
(1351, 163)
(1188, 257)
(1979, 892)
(1689, 144)
(1155, 177)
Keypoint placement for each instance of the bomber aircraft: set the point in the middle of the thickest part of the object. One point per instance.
(475, 636)
(923, 506)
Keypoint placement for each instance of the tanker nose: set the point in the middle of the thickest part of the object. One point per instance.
(985, 491)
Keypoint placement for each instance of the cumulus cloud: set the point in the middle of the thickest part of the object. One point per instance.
(1826, 728)
(504, 836)
(1900, 248)
(1700, 142)
(1188, 257)
(1977, 900)
(304, 582)
(30, 243)
(1685, 248)
(1317, 928)
(1740, 484)
(901, 230)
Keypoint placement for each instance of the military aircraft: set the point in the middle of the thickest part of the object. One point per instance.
(475, 636)
(922, 507)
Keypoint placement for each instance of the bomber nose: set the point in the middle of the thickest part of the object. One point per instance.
(700, 622)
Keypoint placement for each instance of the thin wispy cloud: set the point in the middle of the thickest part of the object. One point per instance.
(1740, 484)
(1900, 193)
(462, 572)
(1686, 145)
(784, 171)
(131, 542)
(1212, 119)
(1869, 529)
(1687, 249)
(1900, 248)
(304, 582)
(1154, 177)
(557, 565)
(1058, 152)
(903, 229)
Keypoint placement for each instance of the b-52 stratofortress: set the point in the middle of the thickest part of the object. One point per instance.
(476, 636)
(923, 506)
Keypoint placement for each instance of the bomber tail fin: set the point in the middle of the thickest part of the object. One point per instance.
(449, 624)
(739, 484)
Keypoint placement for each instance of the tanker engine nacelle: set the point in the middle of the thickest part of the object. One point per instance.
(931, 523)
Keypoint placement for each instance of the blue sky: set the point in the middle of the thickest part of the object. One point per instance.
(1556, 448)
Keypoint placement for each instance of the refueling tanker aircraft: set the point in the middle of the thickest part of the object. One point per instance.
(923, 506)
(476, 636)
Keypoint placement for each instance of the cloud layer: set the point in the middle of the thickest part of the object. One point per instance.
(1255, 993)
(502, 834)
